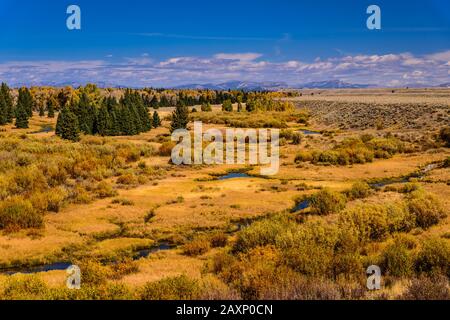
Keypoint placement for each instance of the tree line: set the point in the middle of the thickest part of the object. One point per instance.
(128, 116)
(22, 110)
(6, 105)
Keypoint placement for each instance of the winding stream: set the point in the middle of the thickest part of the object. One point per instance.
(233, 175)
(59, 266)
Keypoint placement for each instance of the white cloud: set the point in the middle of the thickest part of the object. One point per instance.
(440, 56)
(389, 69)
(238, 56)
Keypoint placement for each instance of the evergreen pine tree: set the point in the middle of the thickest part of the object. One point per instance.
(51, 108)
(41, 110)
(126, 124)
(154, 103)
(180, 118)
(114, 113)
(133, 123)
(5, 92)
(26, 101)
(164, 102)
(21, 116)
(3, 110)
(67, 126)
(156, 120)
(86, 114)
(103, 121)
(23, 108)
(144, 116)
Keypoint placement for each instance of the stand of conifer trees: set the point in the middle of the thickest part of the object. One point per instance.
(180, 118)
(24, 108)
(191, 98)
(129, 116)
(6, 105)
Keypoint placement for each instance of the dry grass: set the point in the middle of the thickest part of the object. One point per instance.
(105, 229)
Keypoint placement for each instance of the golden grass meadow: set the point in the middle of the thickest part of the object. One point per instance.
(364, 179)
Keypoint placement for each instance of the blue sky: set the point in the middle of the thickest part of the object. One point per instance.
(164, 43)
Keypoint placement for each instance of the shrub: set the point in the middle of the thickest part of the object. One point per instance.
(446, 163)
(197, 247)
(426, 208)
(125, 267)
(386, 147)
(55, 199)
(212, 288)
(444, 135)
(218, 240)
(303, 156)
(24, 287)
(326, 202)
(18, 213)
(166, 149)
(81, 195)
(329, 156)
(347, 265)
(409, 187)
(206, 107)
(261, 233)
(174, 288)
(123, 202)
(354, 150)
(309, 248)
(127, 179)
(296, 138)
(227, 106)
(255, 273)
(287, 134)
(27, 180)
(399, 218)
(150, 215)
(93, 272)
(359, 190)
(434, 257)
(397, 261)
(311, 258)
(425, 288)
(105, 190)
(369, 222)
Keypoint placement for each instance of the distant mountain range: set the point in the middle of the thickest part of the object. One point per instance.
(238, 85)
(73, 84)
(272, 86)
(332, 84)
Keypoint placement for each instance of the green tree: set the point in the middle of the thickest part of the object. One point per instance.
(51, 107)
(9, 106)
(25, 99)
(67, 126)
(239, 107)
(206, 107)
(103, 123)
(41, 111)
(21, 116)
(227, 106)
(156, 120)
(180, 118)
(154, 103)
(3, 110)
(86, 114)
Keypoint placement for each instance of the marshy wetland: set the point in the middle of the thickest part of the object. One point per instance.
(364, 179)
